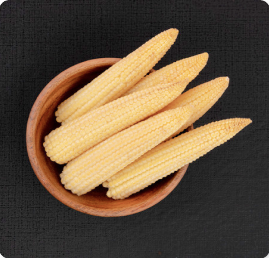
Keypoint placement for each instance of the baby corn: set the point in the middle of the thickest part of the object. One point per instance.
(183, 71)
(171, 156)
(202, 98)
(99, 163)
(118, 79)
(72, 139)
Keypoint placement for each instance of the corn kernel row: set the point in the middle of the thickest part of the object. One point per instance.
(170, 156)
(74, 138)
(101, 162)
(118, 79)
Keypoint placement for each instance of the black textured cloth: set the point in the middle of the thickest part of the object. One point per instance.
(220, 208)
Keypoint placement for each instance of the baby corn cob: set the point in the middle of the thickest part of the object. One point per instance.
(183, 71)
(202, 98)
(171, 156)
(96, 165)
(118, 79)
(72, 139)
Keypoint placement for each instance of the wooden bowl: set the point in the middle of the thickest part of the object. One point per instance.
(42, 120)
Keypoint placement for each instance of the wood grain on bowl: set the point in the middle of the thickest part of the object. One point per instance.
(42, 120)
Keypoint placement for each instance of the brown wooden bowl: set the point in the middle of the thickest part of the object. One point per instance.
(42, 120)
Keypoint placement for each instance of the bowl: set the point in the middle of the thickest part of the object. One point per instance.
(42, 120)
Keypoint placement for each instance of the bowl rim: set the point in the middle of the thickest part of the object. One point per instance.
(36, 166)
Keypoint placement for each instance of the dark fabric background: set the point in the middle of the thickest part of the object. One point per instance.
(221, 207)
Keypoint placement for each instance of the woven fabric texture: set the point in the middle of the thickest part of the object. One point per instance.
(221, 207)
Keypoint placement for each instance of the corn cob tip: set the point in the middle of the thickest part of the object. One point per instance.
(202, 60)
(227, 79)
(173, 32)
(199, 60)
(235, 125)
(204, 56)
(222, 81)
(242, 123)
(182, 71)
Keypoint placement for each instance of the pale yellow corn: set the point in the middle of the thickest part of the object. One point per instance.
(202, 98)
(99, 163)
(118, 79)
(171, 156)
(183, 71)
(72, 139)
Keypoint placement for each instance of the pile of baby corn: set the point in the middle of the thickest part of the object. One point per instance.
(119, 129)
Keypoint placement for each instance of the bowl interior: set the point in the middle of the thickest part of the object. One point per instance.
(42, 121)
